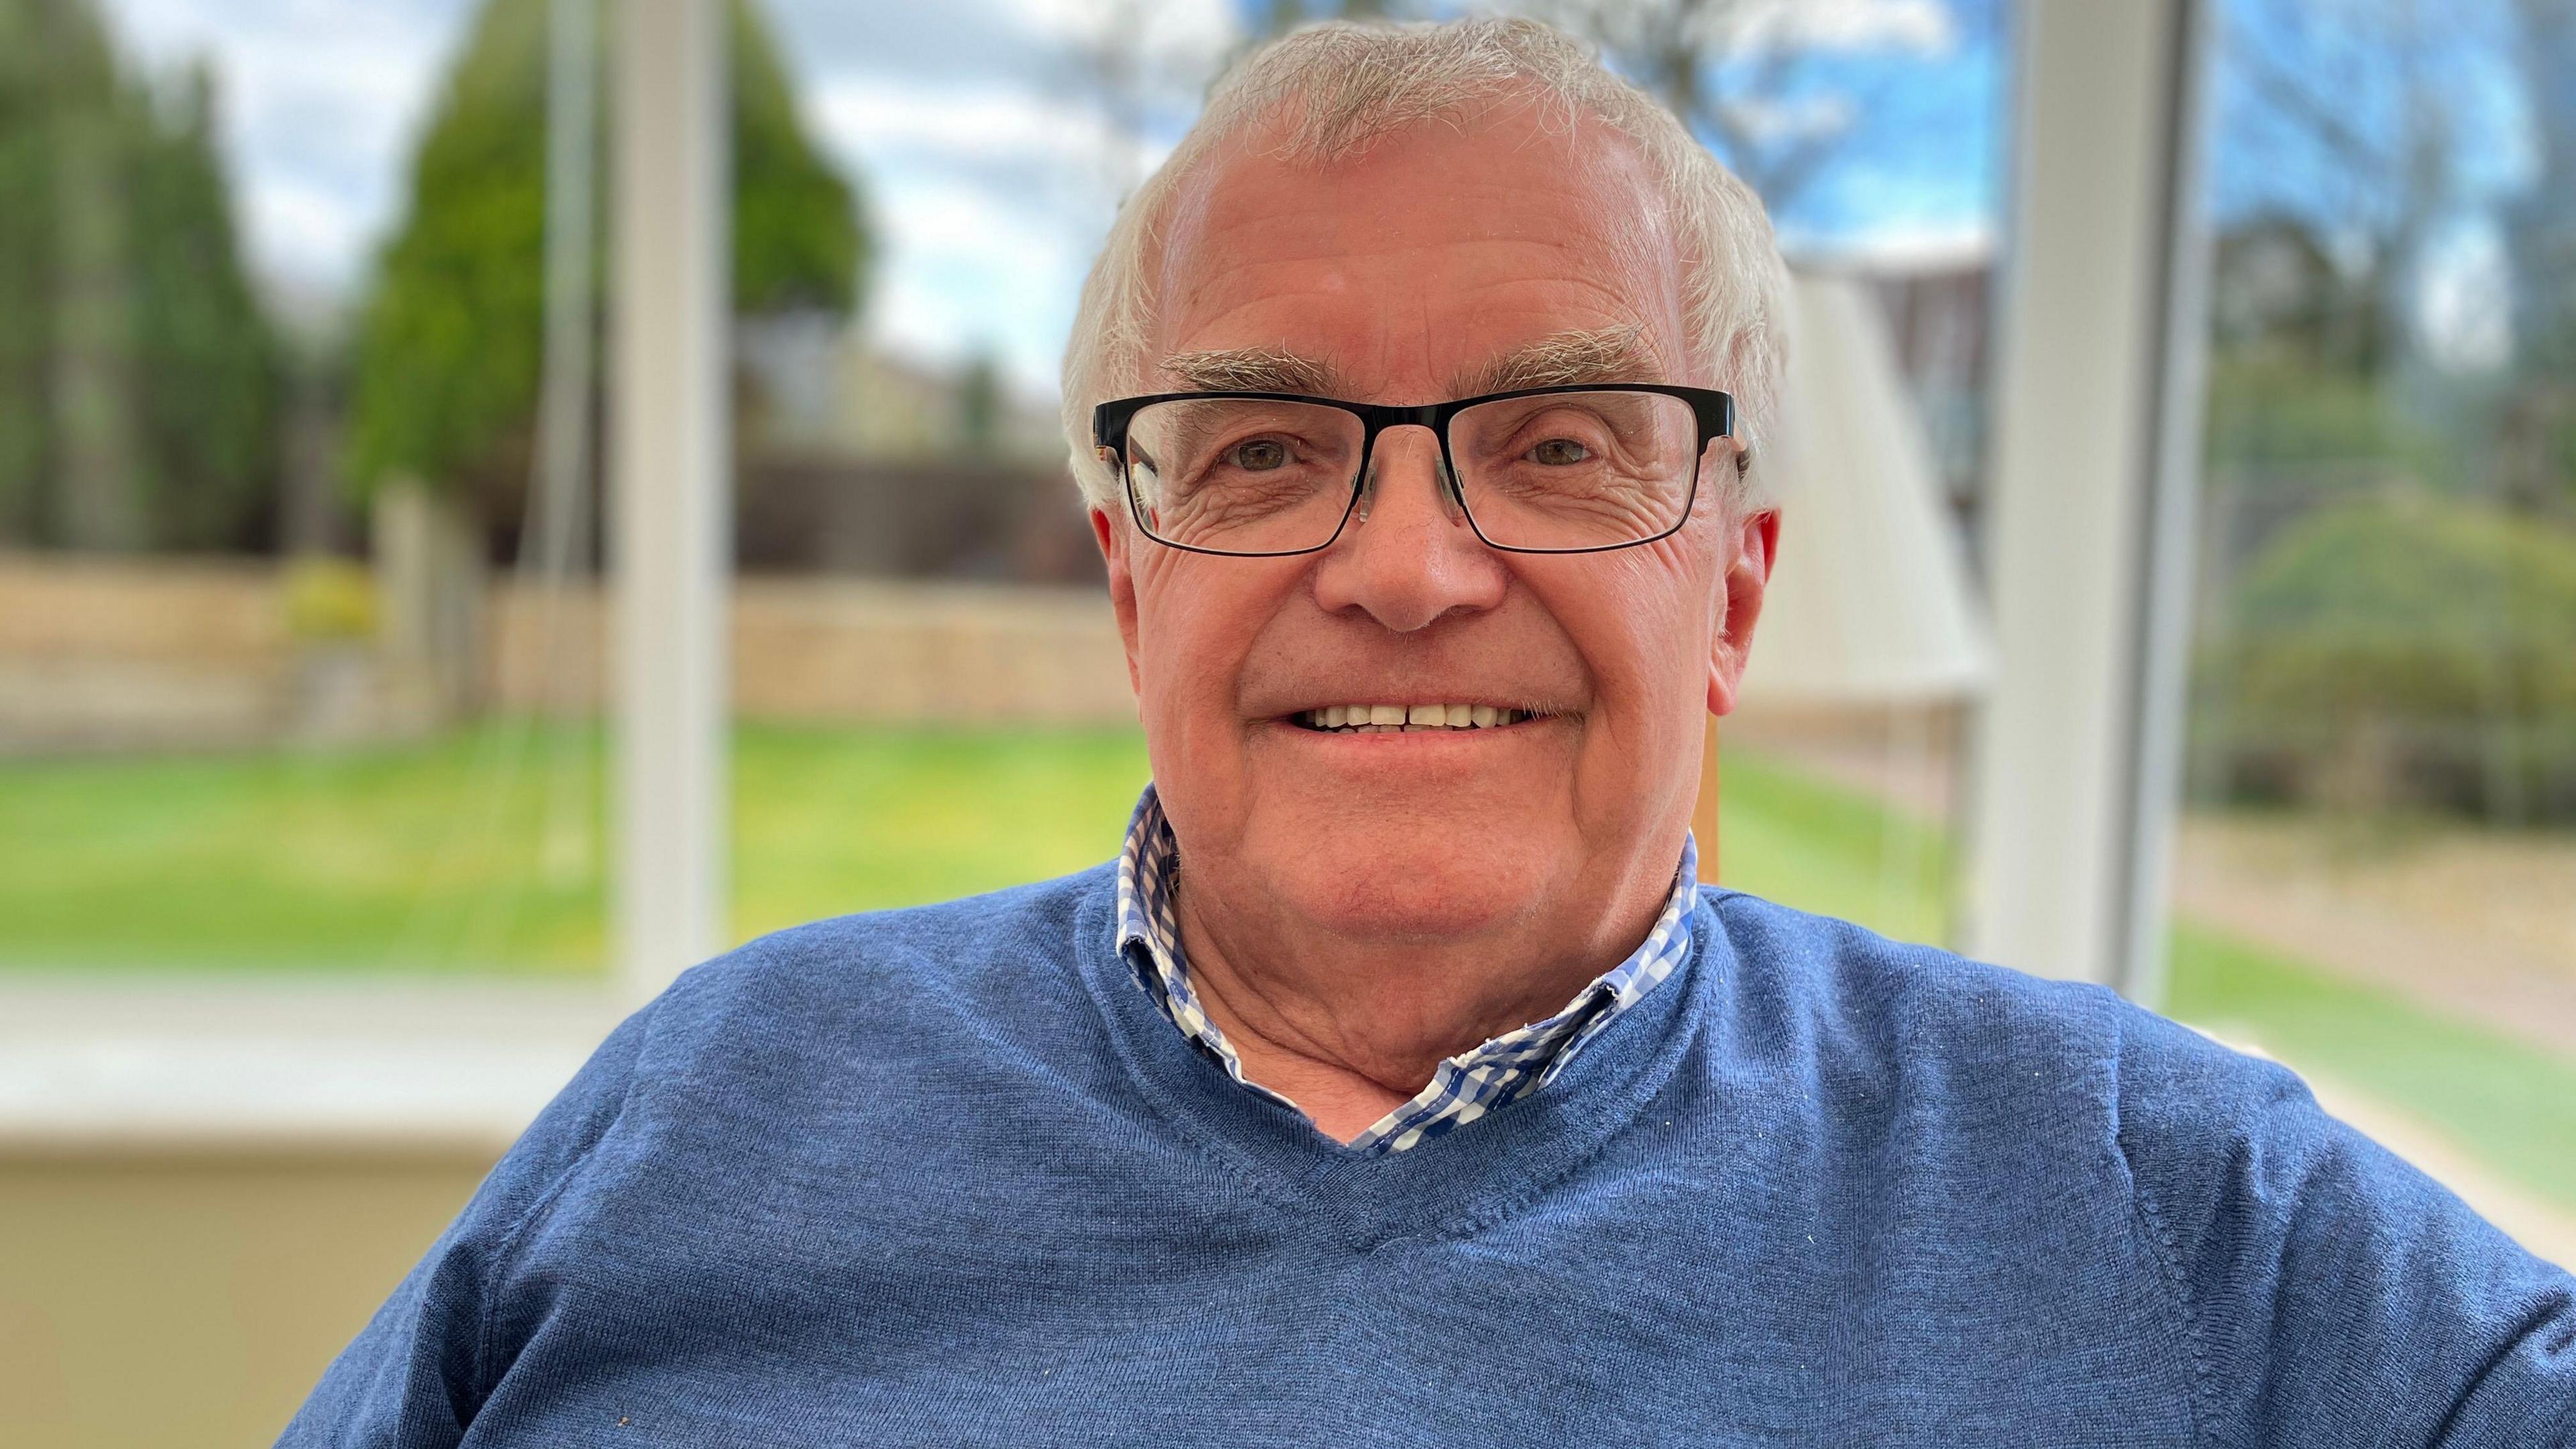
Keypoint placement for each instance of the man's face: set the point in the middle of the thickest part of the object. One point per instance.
(1434, 266)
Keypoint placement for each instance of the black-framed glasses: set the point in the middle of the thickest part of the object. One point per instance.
(1574, 469)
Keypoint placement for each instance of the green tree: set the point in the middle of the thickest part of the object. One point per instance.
(449, 347)
(979, 406)
(2409, 645)
(798, 243)
(210, 414)
(26, 265)
(138, 375)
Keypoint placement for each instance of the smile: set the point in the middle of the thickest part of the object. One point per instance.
(1393, 718)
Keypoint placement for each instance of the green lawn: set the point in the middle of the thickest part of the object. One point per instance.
(480, 854)
(1790, 837)
(828, 821)
(419, 858)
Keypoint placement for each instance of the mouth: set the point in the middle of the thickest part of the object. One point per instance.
(1387, 719)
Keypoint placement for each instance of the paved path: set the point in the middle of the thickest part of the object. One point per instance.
(2472, 924)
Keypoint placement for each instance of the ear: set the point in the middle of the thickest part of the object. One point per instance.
(1109, 530)
(1755, 544)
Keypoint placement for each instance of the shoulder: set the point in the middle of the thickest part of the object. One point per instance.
(966, 931)
(863, 1016)
(953, 956)
(2316, 1279)
(1849, 996)
(845, 1026)
(2009, 1060)
(2169, 1094)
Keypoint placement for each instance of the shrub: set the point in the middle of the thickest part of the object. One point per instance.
(2406, 650)
(329, 600)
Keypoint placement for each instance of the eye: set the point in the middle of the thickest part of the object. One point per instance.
(1258, 456)
(1559, 452)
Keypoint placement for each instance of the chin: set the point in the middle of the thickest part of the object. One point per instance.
(1383, 883)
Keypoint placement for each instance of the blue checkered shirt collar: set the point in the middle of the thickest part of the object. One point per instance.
(1464, 1087)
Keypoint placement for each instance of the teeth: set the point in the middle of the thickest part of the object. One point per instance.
(1389, 718)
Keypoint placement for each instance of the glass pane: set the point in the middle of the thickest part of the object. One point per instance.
(2377, 872)
(298, 657)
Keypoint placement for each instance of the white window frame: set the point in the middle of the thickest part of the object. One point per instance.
(2097, 406)
(377, 1065)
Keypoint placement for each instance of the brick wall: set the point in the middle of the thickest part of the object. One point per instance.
(821, 648)
(103, 653)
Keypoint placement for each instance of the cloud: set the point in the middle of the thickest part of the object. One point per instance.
(318, 104)
(987, 204)
(1922, 27)
(872, 115)
(2464, 298)
(1792, 119)
(967, 272)
(1159, 32)
(991, 186)
(1899, 249)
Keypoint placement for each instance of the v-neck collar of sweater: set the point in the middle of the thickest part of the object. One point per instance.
(1447, 1186)
(1464, 1087)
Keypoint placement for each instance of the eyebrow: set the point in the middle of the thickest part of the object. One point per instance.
(1251, 369)
(1566, 359)
(1561, 359)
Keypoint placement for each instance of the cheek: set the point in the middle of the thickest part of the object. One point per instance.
(1640, 618)
(1197, 621)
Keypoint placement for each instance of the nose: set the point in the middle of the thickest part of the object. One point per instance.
(1408, 557)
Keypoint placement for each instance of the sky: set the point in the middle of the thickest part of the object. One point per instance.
(990, 169)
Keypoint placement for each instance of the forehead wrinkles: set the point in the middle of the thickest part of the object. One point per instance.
(1633, 251)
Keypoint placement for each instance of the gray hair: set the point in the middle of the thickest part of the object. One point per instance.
(1335, 88)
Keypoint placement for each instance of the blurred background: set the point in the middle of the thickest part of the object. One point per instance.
(311, 737)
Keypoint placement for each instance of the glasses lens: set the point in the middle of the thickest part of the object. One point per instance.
(1240, 475)
(1577, 469)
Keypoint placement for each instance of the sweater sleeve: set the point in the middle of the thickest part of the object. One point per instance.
(418, 1373)
(2333, 1294)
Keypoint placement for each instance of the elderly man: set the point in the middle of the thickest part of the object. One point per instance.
(1399, 1084)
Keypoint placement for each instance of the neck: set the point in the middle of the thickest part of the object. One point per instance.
(1349, 1029)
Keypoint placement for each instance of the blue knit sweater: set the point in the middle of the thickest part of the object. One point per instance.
(943, 1176)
